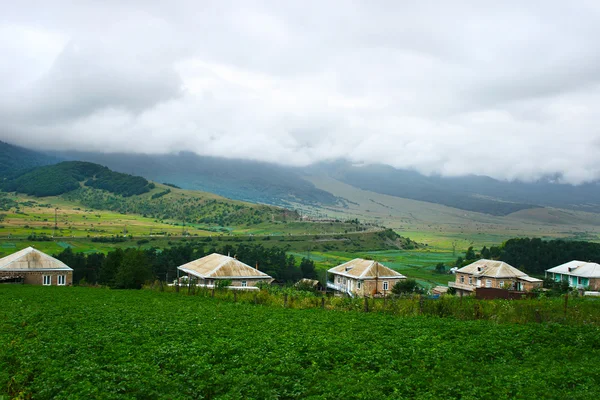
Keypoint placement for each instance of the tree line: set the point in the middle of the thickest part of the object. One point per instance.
(130, 268)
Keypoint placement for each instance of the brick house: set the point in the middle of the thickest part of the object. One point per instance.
(361, 277)
(492, 274)
(579, 274)
(31, 266)
(210, 269)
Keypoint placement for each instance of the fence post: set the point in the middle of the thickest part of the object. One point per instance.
(255, 298)
(366, 304)
(323, 302)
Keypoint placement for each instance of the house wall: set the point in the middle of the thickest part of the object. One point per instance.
(592, 283)
(37, 277)
(496, 282)
(368, 287)
(249, 282)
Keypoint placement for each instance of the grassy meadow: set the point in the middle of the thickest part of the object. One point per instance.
(75, 342)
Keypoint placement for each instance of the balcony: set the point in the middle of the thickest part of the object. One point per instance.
(339, 288)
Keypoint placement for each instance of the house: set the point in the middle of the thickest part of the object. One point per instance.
(579, 274)
(217, 267)
(33, 267)
(361, 277)
(439, 290)
(492, 274)
(312, 284)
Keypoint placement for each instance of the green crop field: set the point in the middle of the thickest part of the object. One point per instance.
(74, 342)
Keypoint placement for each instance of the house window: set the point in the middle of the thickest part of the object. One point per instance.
(501, 284)
(344, 281)
(385, 285)
(359, 284)
(47, 280)
(61, 280)
(470, 280)
(244, 283)
(462, 279)
(488, 283)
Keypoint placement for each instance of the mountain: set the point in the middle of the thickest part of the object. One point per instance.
(279, 185)
(15, 158)
(245, 180)
(471, 193)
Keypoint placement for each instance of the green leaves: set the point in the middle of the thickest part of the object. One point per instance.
(74, 342)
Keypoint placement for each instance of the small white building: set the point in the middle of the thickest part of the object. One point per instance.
(579, 274)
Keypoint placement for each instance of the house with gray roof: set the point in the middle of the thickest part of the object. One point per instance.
(579, 274)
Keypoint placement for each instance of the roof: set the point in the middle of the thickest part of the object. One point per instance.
(218, 266)
(440, 289)
(30, 259)
(365, 269)
(309, 282)
(492, 269)
(578, 268)
(530, 279)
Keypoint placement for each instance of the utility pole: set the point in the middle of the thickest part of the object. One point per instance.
(55, 221)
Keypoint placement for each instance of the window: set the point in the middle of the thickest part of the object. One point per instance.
(344, 281)
(61, 280)
(47, 280)
(470, 280)
(385, 285)
(501, 284)
(359, 284)
(244, 283)
(462, 279)
(339, 279)
(488, 283)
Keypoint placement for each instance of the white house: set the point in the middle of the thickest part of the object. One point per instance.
(579, 274)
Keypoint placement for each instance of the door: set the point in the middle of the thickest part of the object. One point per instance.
(350, 285)
(478, 282)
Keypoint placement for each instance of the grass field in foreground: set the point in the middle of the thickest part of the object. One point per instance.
(70, 342)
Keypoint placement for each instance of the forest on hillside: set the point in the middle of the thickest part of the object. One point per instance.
(64, 177)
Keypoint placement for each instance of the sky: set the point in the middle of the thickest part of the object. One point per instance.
(506, 89)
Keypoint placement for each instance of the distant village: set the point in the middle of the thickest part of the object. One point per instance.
(355, 278)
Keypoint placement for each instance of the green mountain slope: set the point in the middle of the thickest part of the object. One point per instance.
(53, 180)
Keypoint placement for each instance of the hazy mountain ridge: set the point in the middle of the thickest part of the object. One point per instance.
(233, 178)
(261, 182)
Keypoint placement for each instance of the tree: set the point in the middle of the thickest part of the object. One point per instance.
(485, 253)
(133, 271)
(440, 268)
(470, 254)
(110, 266)
(307, 266)
(407, 286)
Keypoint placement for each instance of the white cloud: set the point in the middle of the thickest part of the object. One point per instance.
(501, 89)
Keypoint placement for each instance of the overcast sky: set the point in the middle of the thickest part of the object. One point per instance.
(509, 89)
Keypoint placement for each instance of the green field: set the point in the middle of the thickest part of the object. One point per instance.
(73, 342)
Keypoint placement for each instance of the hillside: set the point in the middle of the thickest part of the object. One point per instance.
(15, 158)
(275, 184)
(64, 177)
(237, 179)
